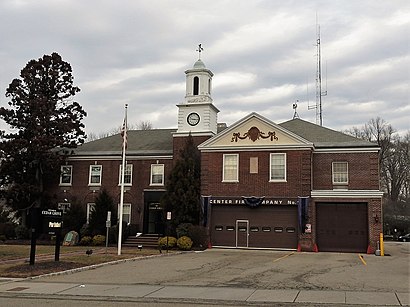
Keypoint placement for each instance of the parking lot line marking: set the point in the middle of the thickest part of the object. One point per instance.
(287, 255)
(361, 258)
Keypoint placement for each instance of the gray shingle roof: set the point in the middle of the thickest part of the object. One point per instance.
(323, 137)
(159, 141)
(140, 142)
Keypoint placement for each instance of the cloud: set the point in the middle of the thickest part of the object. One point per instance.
(262, 53)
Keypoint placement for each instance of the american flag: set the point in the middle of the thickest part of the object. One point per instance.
(124, 133)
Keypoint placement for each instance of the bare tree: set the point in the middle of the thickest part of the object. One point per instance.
(144, 125)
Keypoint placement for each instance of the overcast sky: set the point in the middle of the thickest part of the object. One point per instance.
(262, 54)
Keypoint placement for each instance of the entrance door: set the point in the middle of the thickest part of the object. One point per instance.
(242, 233)
(155, 220)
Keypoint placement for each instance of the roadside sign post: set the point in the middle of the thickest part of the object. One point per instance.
(52, 224)
(168, 219)
(34, 231)
(108, 225)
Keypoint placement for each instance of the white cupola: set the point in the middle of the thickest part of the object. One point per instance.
(197, 114)
(198, 83)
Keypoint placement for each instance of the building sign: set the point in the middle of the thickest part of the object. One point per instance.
(52, 220)
(251, 201)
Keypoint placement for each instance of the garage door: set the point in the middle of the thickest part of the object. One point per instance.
(342, 227)
(261, 227)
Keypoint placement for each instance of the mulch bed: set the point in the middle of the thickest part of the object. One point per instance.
(39, 268)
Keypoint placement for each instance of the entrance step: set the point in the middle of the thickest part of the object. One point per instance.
(145, 240)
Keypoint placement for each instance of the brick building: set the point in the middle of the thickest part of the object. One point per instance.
(293, 185)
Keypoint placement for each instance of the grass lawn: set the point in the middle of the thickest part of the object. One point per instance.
(70, 257)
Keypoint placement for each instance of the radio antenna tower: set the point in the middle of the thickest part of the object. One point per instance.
(319, 92)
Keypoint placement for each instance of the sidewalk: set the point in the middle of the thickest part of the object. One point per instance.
(141, 292)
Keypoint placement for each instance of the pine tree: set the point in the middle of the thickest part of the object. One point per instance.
(183, 187)
(44, 122)
(103, 203)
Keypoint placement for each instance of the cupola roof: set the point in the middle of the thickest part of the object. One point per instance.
(199, 64)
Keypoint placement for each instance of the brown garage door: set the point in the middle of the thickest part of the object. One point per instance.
(342, 227)
(264, 226)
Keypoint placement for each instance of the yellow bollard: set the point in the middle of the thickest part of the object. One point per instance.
(381, 245)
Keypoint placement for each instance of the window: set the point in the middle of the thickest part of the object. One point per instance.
(127, 175)
(64, 206)
(126, 213)
(219, 228)
(340, 172)
(90, 209)
(278, 229)
(196, 85)
(66, 175)
(95, 174)
(157, 174)
(230, 168)
(290, 229)
(277, 167)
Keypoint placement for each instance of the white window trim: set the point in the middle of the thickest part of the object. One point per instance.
(89, 176)
(65, 206)
(118, 212)
(162, 178)
(89, 206)
(119, 177)
(270, 167)
(237, 168)
(347, 173)
(61, 175)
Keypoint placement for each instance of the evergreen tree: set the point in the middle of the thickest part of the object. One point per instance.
(183, 187)
(98, 217)
(44, 122)
(75, 218)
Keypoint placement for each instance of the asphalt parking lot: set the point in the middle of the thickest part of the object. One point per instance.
(260, 269)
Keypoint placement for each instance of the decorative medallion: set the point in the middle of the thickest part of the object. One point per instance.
(254, 134)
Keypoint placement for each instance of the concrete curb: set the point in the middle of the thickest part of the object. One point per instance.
(95, 266)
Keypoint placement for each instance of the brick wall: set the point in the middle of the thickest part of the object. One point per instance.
(298, 181)
(81, 192)
(363, 169)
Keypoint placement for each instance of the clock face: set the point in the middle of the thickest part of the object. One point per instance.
(193, 119)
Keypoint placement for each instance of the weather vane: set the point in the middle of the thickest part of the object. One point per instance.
(200, 50)
(295, 106)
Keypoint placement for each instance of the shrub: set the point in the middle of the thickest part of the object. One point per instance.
(184, 243)
(7, 229)
(85, 241)
(98, 240)
(199, 236)
(22, 232)
(85, 230)
(162, 242)
(2, 238)
(183, 229)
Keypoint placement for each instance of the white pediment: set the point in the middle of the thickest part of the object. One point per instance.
(254, 132)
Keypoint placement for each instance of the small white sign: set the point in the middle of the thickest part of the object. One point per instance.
(308, 228)
(169, 215)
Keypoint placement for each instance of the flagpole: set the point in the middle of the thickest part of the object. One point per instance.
(124, 143)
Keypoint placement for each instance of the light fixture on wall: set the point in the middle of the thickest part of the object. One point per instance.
(376, 218)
